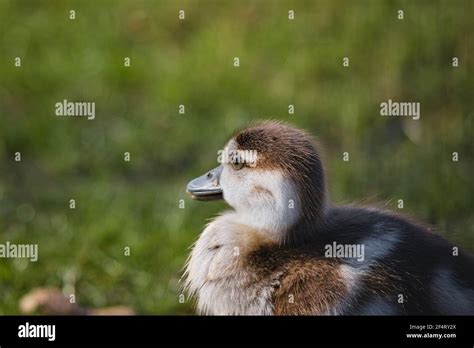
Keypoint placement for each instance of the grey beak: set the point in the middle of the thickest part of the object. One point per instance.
(206, 187)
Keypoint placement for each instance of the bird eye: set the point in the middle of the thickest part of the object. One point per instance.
(237, 162)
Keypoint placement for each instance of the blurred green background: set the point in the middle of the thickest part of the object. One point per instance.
(190, 62)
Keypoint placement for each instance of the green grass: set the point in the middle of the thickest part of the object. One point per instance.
(189, 62)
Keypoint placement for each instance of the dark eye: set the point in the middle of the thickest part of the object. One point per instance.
(237, 162)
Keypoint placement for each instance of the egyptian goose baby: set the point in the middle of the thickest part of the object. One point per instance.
(285, 250)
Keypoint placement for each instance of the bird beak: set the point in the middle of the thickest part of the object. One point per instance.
(207, 186)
